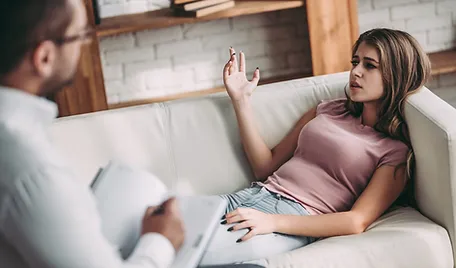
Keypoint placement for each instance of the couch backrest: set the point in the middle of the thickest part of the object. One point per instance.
(432, 126)
(193, 145)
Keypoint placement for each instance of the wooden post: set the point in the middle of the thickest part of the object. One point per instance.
(87, 94)
(333, 29)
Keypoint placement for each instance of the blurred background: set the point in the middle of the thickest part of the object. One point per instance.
(147, 55)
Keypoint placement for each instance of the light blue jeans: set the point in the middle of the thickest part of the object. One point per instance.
(223, 248)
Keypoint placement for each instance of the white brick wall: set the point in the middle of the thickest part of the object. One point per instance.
(191, 57)
(130, 55)
(431, 22)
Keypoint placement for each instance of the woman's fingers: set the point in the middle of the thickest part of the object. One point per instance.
(256, 77)
(238, 211)
(240, 226)
(242, 66)
(235, 219)
(235, 65)
(226, 70)
(249, 235)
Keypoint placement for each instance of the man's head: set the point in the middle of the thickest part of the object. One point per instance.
(42, 44)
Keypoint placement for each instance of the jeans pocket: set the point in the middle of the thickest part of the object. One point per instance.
(255, 195)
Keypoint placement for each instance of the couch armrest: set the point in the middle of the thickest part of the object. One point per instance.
(432, 124)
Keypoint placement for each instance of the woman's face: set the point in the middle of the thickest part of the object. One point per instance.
(366, 83)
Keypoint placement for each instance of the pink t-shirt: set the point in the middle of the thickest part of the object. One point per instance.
(334, 161)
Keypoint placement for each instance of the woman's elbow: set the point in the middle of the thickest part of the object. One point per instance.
(260, 175)
(359, 225)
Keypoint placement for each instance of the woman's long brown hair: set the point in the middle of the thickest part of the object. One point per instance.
(405, 69)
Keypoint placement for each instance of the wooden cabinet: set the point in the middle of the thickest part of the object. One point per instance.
(87, 94)
(333, 28)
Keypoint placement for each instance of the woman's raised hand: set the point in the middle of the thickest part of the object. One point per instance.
(235, 80)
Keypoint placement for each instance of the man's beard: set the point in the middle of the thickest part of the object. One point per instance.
(55, 85)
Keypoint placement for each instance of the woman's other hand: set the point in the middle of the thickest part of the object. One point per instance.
(247, 218)
(235, 80)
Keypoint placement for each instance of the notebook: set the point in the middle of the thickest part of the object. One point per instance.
(123, 194)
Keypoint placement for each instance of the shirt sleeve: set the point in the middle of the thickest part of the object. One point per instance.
(395, 155)
(52, 222)
(331, 107)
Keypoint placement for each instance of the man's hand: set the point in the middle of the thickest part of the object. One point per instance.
(165, 220)
(247, 218)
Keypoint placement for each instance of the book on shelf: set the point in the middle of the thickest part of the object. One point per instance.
(201, 4)
(200, 12)
(178, 2)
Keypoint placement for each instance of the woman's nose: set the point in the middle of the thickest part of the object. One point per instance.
(357, 70)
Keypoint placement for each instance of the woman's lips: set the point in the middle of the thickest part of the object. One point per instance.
(355, 84)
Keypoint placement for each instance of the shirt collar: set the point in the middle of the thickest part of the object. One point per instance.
(19, 107)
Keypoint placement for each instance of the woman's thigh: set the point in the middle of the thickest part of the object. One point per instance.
(223, 248)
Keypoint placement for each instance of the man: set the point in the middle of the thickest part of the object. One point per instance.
(47, 219)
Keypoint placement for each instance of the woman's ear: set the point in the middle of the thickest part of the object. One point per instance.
(43, 59)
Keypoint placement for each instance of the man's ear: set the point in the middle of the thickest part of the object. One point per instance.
(43, 58)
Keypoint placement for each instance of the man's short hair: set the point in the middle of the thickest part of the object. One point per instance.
(24, 24)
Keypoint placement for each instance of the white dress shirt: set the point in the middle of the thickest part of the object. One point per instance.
(47, 218)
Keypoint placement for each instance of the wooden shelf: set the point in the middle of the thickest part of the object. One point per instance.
(164, 17)
(201, 92)
(443, 62)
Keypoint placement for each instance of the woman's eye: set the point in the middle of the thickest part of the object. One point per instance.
(370, 66)
(354, 63)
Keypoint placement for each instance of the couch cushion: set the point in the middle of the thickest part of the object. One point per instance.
(208, 155)
(136, 136)
(400, 239)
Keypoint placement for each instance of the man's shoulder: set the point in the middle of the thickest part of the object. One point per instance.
(27, 159)
(19, 151)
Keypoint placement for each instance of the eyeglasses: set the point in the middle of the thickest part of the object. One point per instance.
(86, 35)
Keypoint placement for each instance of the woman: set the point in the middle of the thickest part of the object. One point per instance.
(344, 163)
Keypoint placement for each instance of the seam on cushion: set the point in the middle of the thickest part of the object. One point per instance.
(169, 145)
(99, 113)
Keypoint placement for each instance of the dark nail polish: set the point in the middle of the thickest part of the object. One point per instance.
(223, 217)
(223, 222)
(258, 68)
(230, 229)
(234, 53)
(238, 241)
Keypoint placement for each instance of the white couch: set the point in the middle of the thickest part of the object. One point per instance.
(193, 145)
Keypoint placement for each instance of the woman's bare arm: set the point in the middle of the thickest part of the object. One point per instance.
(262, 159)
